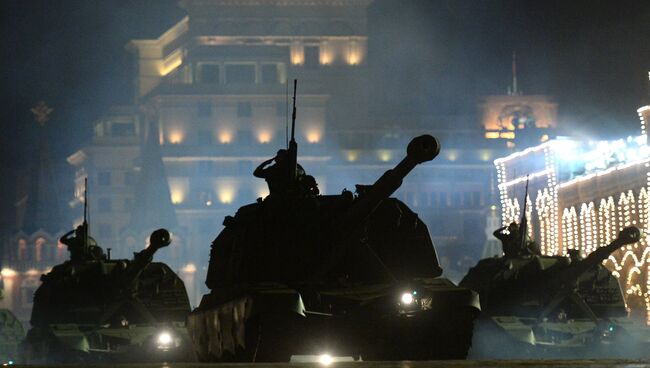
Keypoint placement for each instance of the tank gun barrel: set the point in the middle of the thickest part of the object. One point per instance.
(629, 235)
(421, 149)
(158, 239)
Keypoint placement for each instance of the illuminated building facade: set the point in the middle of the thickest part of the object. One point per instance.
(211, 99)
(581, 194)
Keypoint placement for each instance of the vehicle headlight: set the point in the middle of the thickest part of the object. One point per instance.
(165, 341)
(407, 299)
(325, 359)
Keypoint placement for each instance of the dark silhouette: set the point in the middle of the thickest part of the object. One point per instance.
(278, 176)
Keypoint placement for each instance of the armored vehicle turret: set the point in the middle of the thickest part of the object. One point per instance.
(301, 275)
(536, 306)
(95, 309)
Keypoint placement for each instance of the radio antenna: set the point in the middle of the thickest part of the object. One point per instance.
(86, 212)
(523, 224)
(286, 112)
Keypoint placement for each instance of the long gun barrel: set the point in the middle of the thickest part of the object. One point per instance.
(158, 239)
(629, 235)
(421, 149)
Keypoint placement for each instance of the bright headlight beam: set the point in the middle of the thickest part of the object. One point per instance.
(164, 339)
(325, 359)
(407, 298)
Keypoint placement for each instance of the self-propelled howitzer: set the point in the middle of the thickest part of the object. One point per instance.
(96, 309)
(553, 306)
(347, 275)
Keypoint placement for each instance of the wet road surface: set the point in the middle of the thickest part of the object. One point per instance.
(427, 364)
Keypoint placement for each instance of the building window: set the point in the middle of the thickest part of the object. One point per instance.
(122, 129)
(240, 74)
(204, 109)
(244, 109)
(104, 178)
(312, 57)
(209, 73)
(38, 249)
(270, 74)
(104, 205)
(22, 250)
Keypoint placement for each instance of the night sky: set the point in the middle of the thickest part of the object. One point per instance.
(432, 57)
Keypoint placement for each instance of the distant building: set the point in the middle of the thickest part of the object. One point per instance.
(581, 194)
(213, 96)
(32, 246)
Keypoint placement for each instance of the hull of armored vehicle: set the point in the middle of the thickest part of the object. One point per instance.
(355, 310)
(11, 335)
(80, 315)
(273, 324)
(588, 320)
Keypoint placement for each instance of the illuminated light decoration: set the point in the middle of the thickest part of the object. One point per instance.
(352, 155)
(226, 190)
(604, 172)
(264, 136)
(588, 241)
(189, 268)
(226, 195)
(570, 228)
(178, 188)
(297, 53)
(543, 208)
(32, 272)
(507, 135)
(485, 156)
(8, 272)
(354, 52)
(644, 115)
(177, 196)
(544, 138)
(523, 179)
(225, 137)
(384, 155)
(326, 54)
(170, 63)
(491, 135)
(313, 136)
(175, 136)
(452, 155)
(607, 220)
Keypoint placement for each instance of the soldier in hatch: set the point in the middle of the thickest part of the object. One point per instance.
(511, 241)
(278, 176)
